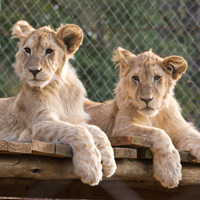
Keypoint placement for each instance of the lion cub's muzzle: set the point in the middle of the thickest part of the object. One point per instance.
(147, 106)
(37, 76)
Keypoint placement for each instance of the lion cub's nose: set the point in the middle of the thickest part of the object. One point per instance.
(35, 71)
(146, 100)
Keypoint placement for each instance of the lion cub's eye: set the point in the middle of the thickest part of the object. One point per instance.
(136, 78)
(27, 50)
(157, 78)
(49, 51)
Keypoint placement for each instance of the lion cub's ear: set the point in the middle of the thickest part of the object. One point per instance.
(125, 58)
(71, 35)
(122, 55)
(174, 65)
(22, 29)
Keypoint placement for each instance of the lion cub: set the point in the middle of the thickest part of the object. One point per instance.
(49, 106)
(145, 106)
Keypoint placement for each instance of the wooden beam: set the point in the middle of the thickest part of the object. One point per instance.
(45, 168)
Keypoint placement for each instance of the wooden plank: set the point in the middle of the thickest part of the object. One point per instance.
(42, 148)
(19, 147)
(35, 147)
(186, 157)
(50, 149)
(130, 141)
(125, 153)
(58, 150)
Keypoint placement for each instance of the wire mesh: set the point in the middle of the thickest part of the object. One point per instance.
(169, 27)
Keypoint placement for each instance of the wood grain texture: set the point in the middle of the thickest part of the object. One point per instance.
(3, 145)
(19, 147)
(124, 147)
(43, 147)
(54, 150)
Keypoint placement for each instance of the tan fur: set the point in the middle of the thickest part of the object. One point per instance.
(162, 122)
(49, 106)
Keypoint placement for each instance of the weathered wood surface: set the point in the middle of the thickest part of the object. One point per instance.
(124, 147)
(46, 168)
(53, 150)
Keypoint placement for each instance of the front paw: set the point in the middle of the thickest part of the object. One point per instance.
(109, 164)
(167, 168)
(88, 166)
(107, 154)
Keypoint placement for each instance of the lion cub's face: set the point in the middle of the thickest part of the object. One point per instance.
(43, 52)
(39, 58)
(146, 79)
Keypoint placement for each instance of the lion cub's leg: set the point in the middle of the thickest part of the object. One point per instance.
(86, 156)
(103, 144)
(166, 159)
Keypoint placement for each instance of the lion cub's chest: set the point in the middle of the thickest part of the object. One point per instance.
(65, 107)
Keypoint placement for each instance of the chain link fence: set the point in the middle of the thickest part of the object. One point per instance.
(169, 27)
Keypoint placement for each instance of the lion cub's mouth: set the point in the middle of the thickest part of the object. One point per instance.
(37, 80)
(147, 108)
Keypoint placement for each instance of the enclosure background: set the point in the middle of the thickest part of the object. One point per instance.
(169, 27)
